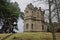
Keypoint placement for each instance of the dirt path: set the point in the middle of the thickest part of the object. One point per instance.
(6, 37)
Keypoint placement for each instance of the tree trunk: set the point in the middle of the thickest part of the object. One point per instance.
(50, 21)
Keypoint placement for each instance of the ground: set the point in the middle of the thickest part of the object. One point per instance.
(30, 36)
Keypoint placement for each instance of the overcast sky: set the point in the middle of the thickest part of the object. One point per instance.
(23, 3)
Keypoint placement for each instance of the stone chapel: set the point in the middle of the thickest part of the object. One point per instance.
(33, 19)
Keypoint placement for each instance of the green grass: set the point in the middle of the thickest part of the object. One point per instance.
(33, 36)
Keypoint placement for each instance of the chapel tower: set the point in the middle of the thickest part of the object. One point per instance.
(33, 19)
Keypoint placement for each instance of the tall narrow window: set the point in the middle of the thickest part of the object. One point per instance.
(27, 26)
(37, 14)
(32, 11)
(42, 27)
(31, 26)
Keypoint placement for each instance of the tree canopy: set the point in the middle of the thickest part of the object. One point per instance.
(9, 13)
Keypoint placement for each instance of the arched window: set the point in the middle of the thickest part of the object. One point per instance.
(31, 26)
(27, 26)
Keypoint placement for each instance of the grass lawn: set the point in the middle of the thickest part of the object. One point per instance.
(32, 36)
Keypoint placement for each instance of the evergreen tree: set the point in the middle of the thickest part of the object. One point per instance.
(9, 13)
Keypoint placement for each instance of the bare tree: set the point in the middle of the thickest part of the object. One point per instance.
(50, 3)
(50, 20)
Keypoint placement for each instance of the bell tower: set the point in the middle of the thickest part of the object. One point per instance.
(33, 19)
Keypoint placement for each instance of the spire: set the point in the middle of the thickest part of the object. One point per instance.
(40, 8)
(35, 8)
(30, 6)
